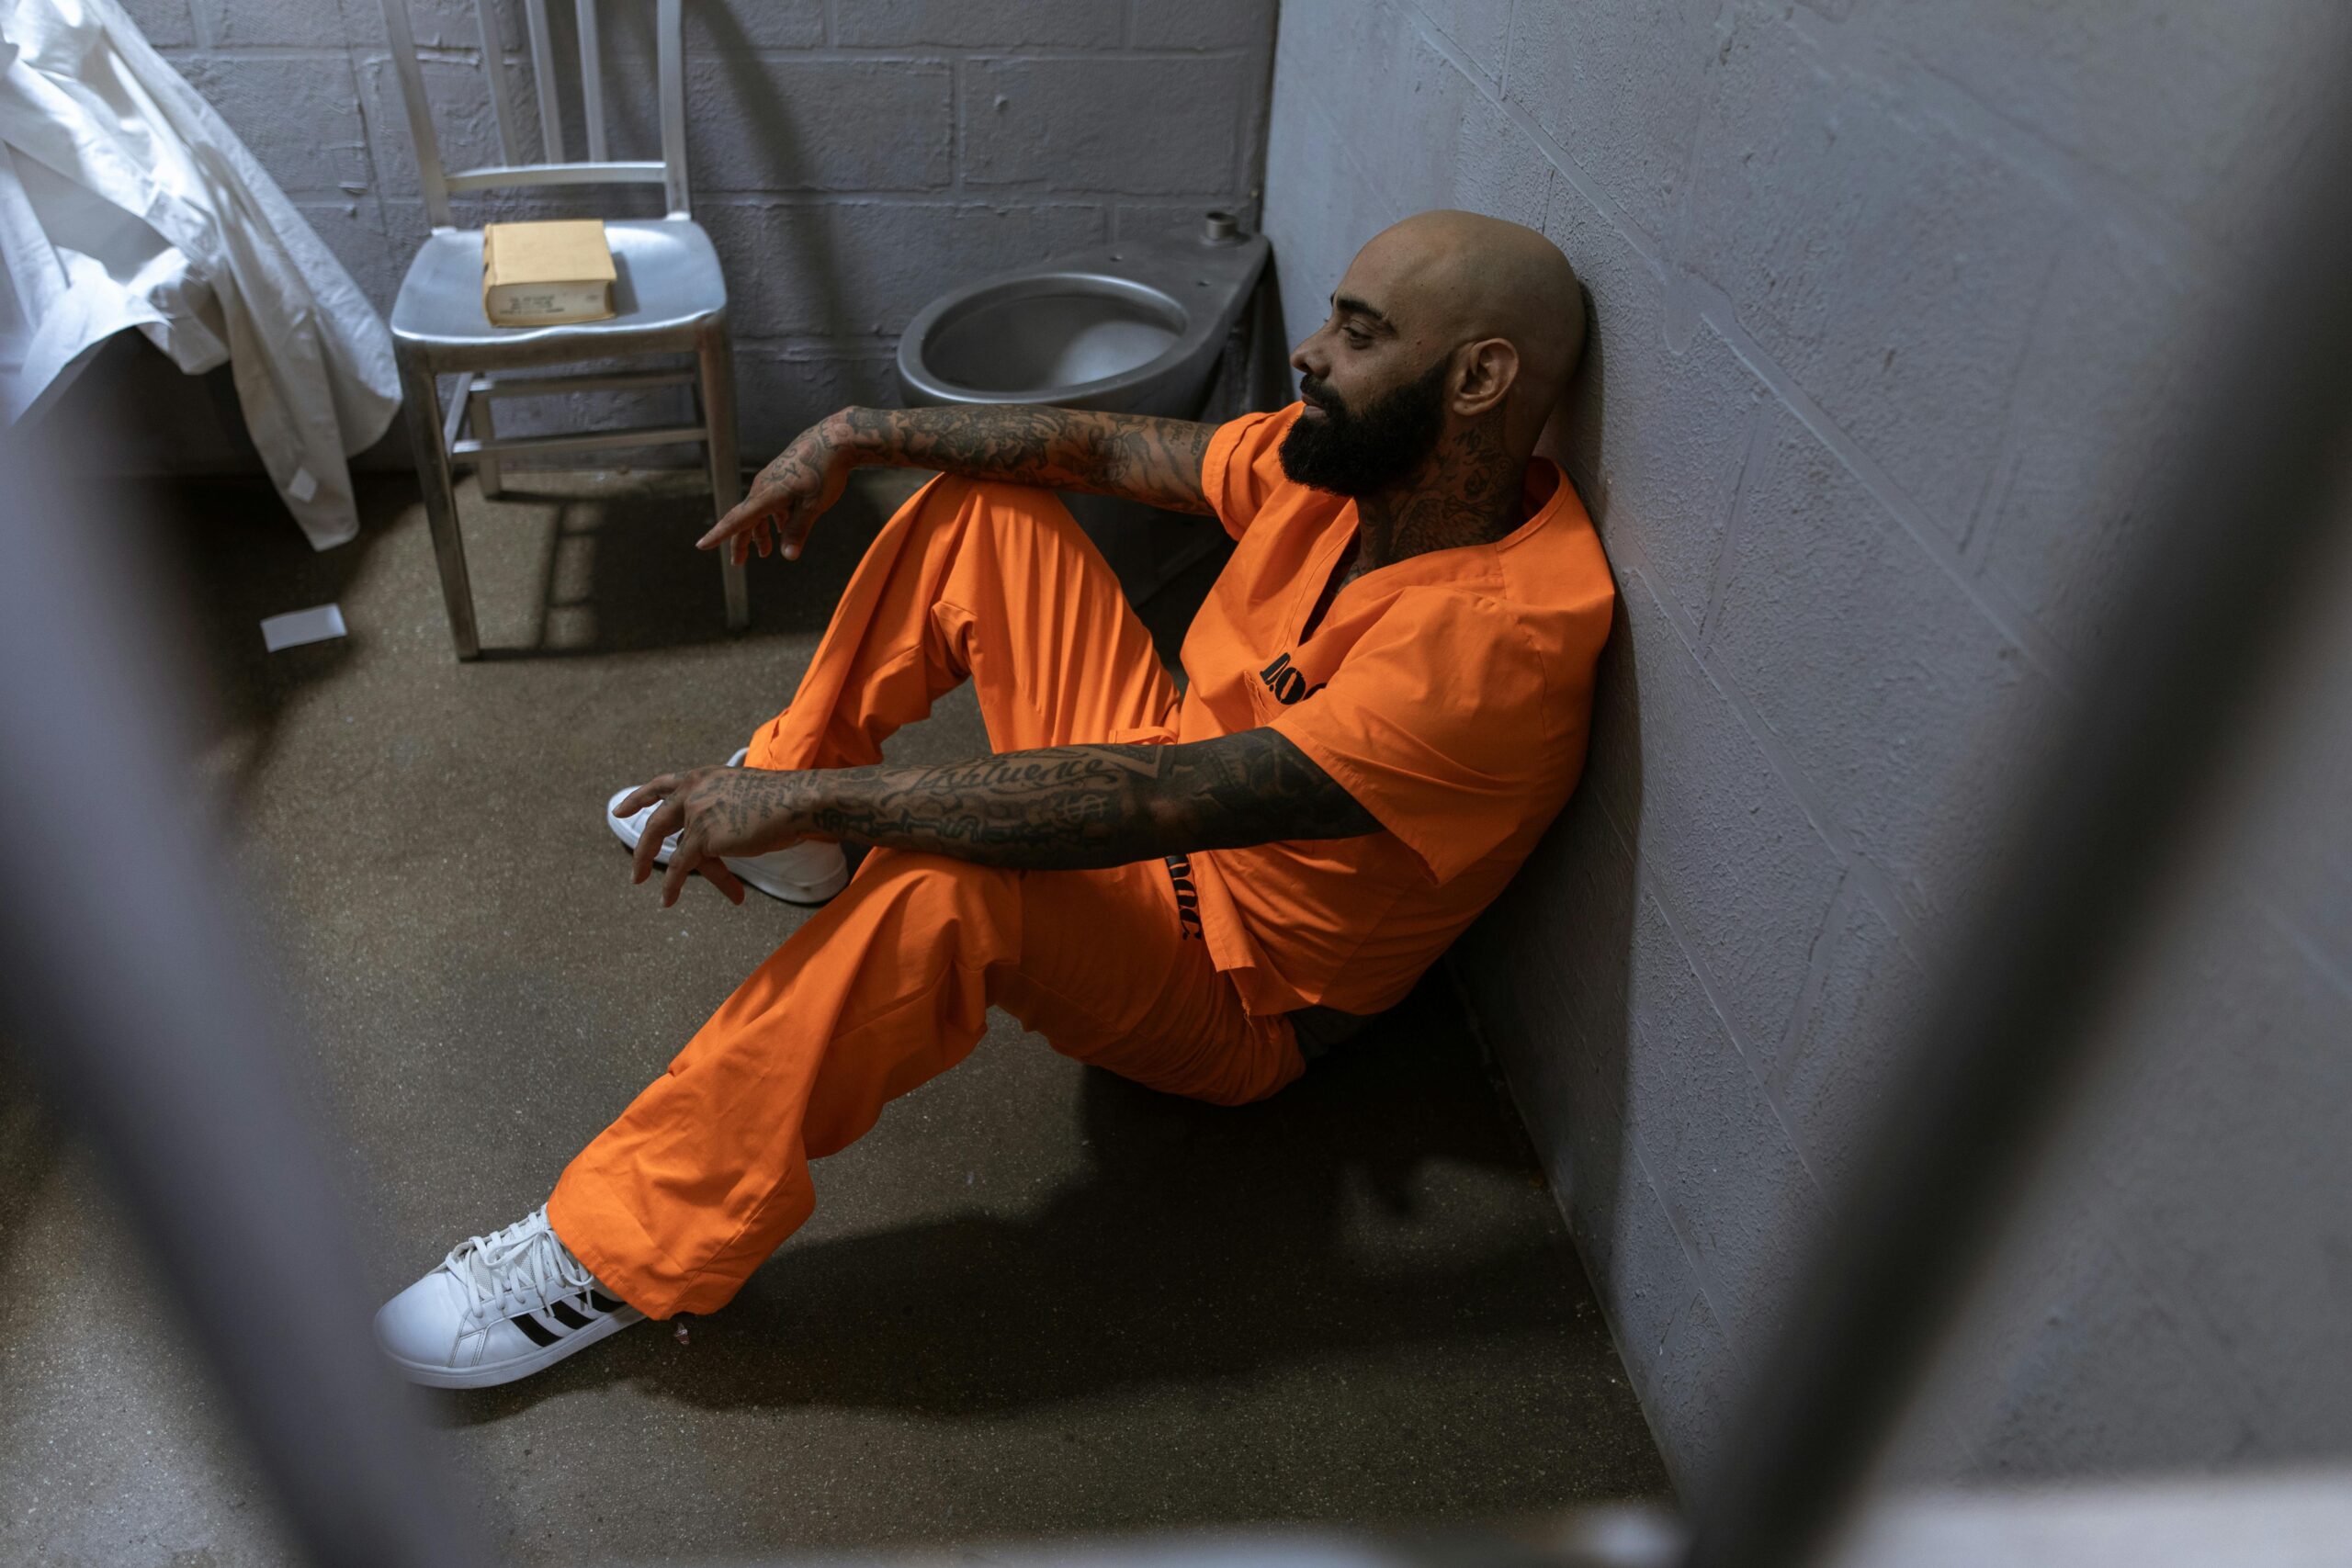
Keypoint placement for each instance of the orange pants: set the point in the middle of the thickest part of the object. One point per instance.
(706, 1172)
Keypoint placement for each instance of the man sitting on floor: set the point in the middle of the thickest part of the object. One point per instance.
(1389, 689)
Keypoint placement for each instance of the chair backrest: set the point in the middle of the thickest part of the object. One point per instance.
(553, 167)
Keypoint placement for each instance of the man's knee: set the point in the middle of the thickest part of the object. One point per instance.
(935, 888)
(1006, 503)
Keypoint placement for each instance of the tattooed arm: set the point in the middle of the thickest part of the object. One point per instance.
(1061, 806)
(1154, 460)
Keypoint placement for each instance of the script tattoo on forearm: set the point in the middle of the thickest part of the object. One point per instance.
(1153, 460)
(1075, 806)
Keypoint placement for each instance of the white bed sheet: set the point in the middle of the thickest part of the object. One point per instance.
(126, 204)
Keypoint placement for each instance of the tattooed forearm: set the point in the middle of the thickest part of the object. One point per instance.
(1066, 807)
(1153, 460)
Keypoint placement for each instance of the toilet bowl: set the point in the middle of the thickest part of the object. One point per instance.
(1132, 327)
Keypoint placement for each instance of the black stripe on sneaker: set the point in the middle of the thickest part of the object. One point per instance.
(602, 1302)
(564, 1313)
(537, 1332)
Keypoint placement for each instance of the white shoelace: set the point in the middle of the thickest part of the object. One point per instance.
(525, 1259)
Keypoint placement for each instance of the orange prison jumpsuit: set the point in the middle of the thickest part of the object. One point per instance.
(1448, 693)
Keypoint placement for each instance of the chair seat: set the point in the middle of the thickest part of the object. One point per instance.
(666, 278)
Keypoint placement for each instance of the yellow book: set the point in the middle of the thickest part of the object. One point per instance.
(535, 273)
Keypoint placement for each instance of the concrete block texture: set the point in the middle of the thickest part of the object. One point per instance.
(2205, 111)
(1888, 263)
(824, 147)
(166, 24)
(770, 122)
(984, 24)
(309, 24)
(1456, 148)
(1563, 1034)
(1479, 28)
(2217, 1148)
(2073, 1355)
(1201, 24)
(1696, 1111)
(2101, 397)
(1656, 431)
(354, 230)
(299, 114)
(865, 268)
(465, 127)
(437, 23)
(1716, 831)
(1898, 312)
(1141, 127)
(1620, 89)
(1700, 1384)
(1906, 711)
(784, 391)
(1851, 1044)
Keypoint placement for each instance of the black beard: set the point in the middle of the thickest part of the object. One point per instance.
(1354, 453)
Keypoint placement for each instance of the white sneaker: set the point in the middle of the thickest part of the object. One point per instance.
(500, 1307)
(797, 873)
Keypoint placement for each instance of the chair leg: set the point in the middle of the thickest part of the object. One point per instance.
(488, 472)
(422, 401)
(716, 357)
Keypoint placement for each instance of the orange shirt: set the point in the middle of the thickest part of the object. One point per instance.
(1450, 694)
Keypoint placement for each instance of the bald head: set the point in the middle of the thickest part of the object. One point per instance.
(1462, 277)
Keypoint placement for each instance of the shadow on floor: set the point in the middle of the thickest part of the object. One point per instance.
(1206, 1243)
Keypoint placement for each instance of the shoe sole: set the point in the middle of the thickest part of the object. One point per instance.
(802, 892)
(516, 1366)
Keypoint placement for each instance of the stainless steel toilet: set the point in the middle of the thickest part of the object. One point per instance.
(1134, 327)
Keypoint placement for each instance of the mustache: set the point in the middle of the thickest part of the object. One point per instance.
(1320, 392)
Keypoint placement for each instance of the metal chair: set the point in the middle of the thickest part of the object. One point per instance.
(669, 293)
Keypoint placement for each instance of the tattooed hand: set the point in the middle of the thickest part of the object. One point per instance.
(1157, 462)
(715, 812)
(791, 493)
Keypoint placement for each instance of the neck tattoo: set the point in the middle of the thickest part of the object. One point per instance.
(1467, 493)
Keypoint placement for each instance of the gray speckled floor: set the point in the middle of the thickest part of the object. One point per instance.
(1036, 1301)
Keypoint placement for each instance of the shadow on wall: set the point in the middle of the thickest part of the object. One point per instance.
(1558, 944)
(776, 148)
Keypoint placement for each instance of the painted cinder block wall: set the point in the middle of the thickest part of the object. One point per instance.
(852, 160)
(1893, 303)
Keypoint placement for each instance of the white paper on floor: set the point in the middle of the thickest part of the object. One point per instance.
(318, 624)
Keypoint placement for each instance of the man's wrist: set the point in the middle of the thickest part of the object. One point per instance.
(797, 799)
(862, 435)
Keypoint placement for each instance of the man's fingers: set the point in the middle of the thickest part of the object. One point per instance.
(793, 531)
(744, 512)
(672, 879)
(688, 859)
(666, 820)
(716, 872)
(646, 795)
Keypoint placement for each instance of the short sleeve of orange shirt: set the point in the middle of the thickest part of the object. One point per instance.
(1438, 724)
(1243, 467)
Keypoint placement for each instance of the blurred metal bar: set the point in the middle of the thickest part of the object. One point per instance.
(587, 441)
(591, 80)
(122, 971)
(535, 16)
(493, 70)
(670, 62)
(498, 176)
(2108, 818)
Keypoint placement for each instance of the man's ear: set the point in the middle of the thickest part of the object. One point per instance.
(1490, 370)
